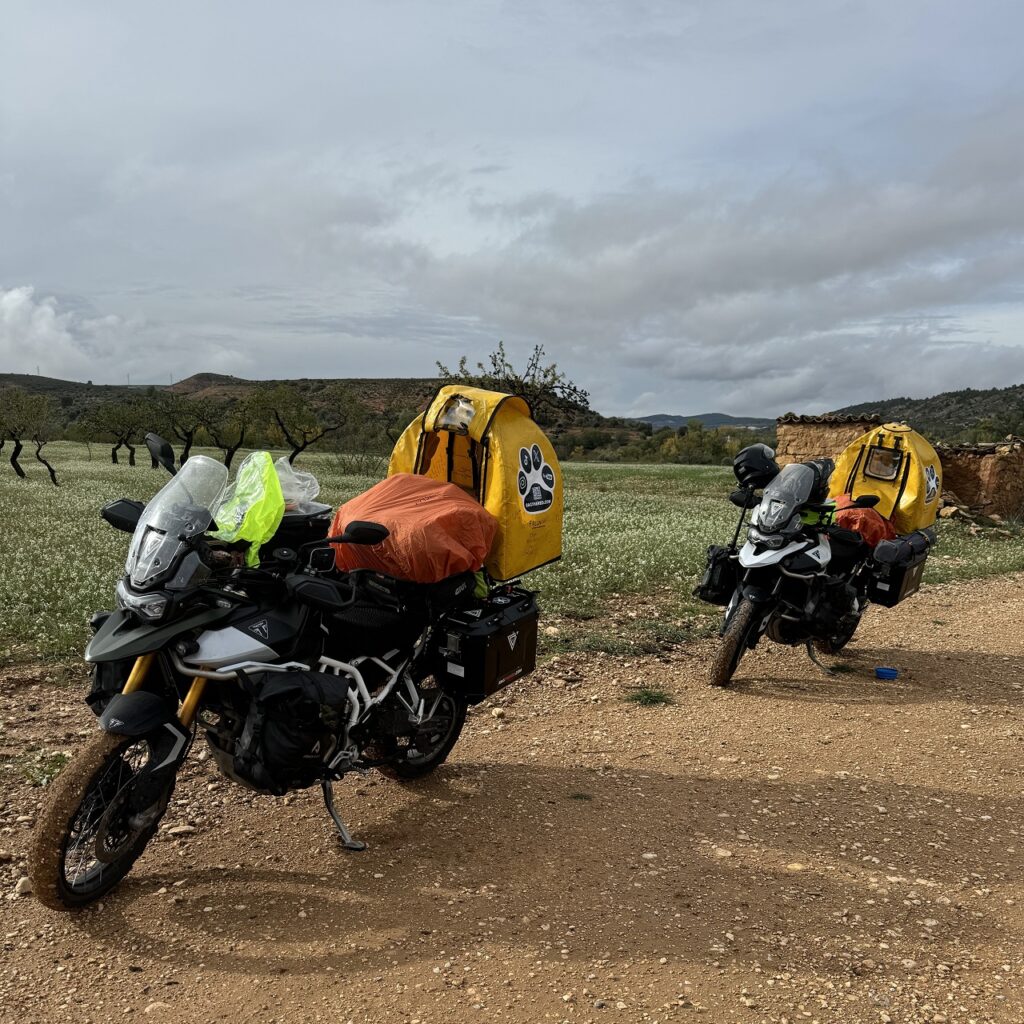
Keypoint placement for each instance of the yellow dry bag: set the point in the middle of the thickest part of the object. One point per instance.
(488, 444)
(898, 465)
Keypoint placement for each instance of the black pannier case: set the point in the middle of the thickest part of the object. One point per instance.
(890, 584)
(480, 650)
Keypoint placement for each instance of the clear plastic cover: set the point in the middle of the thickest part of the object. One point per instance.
(783, 497)
(180, 510)
(299, 489)
(456, 416)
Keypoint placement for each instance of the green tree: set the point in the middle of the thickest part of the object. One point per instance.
(183, 418)
(123, 423)
(26, 417)
(229, 423)
(300, 423)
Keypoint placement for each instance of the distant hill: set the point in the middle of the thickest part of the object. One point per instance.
(75, 397)
(955, 415)
(708, 419)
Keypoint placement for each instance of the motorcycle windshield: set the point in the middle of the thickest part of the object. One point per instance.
(180, 510)
(785, 495)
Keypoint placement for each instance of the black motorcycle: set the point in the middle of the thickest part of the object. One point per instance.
(296, 674)
(799, 578)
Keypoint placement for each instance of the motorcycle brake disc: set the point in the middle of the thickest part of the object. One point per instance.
(116, 831)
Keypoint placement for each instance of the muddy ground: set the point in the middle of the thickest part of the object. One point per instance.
(798, 848)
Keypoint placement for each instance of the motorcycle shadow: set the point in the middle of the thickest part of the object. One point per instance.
(546, 862)
(924, 675)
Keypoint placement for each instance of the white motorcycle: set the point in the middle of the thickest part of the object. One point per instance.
(798, 578)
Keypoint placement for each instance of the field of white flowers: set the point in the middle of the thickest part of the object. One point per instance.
(630, 531)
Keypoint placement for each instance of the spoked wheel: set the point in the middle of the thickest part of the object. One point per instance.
(735, 641)
(412, 757)
(88, 837)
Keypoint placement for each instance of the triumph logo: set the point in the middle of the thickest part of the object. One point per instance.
(512, 638)
(260, 629)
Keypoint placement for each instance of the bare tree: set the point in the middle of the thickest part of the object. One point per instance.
(547, 389)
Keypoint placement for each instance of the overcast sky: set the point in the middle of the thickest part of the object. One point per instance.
(730, 205)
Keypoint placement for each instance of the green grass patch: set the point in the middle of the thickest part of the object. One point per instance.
(38, 768)
(635, 537)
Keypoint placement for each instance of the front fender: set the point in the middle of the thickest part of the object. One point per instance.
(136, 714)
(142, 714)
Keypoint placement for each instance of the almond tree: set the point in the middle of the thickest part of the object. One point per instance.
(298, 423)
(228, 423)
(123, 423)
(184, 417)
(26, 417)
(546, 388)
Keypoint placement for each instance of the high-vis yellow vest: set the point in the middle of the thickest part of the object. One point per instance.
(488, 444)
(898, 465)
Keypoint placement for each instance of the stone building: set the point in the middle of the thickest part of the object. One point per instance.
(812, 437)
(986, 477)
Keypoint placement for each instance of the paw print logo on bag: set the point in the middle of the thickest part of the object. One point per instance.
(536, 480)
(931, 484)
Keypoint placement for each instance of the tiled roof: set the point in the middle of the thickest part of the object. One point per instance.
(830, 419)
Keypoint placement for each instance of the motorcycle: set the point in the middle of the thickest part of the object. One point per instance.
(798, 578)
(295, 672)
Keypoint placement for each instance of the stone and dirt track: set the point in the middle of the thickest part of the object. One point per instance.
(796, 848)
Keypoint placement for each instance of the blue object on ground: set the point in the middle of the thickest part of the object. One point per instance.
(885, 672)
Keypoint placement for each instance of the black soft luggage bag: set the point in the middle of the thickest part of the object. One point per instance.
(720, 578)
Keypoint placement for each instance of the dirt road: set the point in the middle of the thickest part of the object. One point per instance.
(798, 848)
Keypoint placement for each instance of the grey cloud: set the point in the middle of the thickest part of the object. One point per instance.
(686, 203)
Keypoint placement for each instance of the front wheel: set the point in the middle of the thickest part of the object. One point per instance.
(88, 836)
(418, 754)
(735, 641)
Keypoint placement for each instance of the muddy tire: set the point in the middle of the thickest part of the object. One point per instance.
(436, 743)
(64, 873)
(734, 644)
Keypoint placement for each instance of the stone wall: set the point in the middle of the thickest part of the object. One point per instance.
(987, 477)
(814, 437)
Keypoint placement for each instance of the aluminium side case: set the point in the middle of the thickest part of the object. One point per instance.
(478, 651)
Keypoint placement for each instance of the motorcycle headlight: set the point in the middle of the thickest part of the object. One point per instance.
(147, 606)
(766, 540)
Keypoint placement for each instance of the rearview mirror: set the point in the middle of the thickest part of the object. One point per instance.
(867, 501)
(161, 451)
(361, 532)
(123, 514)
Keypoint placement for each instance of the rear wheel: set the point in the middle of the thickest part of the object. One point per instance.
(735, 641)
(88, 837)
(835, 643)
(418, 754)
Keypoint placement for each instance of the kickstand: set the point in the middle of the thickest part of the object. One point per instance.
(814, 658)
(346, 837)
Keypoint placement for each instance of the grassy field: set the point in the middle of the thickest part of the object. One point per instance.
(635, 538)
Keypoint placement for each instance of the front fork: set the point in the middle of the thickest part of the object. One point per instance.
(187, 711)
(138, 713)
